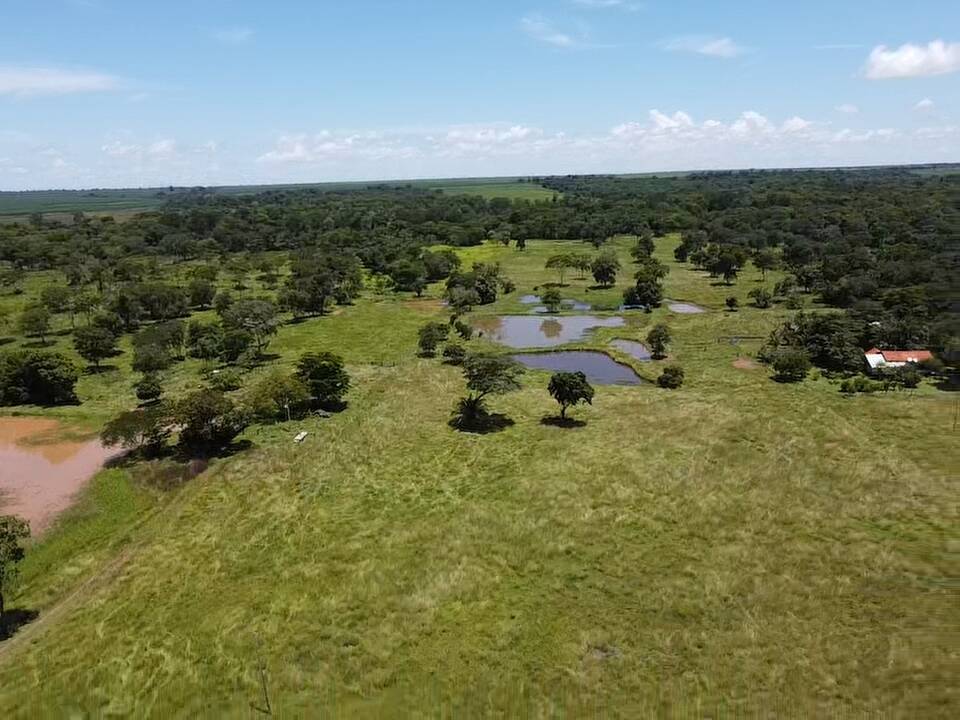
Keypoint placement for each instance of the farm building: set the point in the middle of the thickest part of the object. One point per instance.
(878, 359)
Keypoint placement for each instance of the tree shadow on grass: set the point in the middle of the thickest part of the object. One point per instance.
(13, 620)
(557, 421)
(37, 344)
(481, 425)
(100, 370)
(6, 340)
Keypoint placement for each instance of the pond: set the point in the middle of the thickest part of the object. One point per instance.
(684, 308)
(521, 331)
(42, 467)
(636, 350)
(600, 368)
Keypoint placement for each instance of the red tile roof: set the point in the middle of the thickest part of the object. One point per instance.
(901, 355)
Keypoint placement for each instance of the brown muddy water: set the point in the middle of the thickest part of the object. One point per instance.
(42, 467)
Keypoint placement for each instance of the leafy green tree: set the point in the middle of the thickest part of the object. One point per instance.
(208, 420)
(202, 292)
(766, 259)
(35, 320)
(56, 298)
(150, 358)
(568, 389)
(552, 300)
(278, 396)
(464, 330)
(643, 248)
(149, 388)
(657, 340)
(439, 264)
(204, 340)
(791, 364)
(257, 317)
(559, 263)
(145, 429)
(13, 531)
(605, 268)
(234, 344)
(486, 375)
(409, 275)
(325, 377)
(94, 344)
(733, 303)
(40, 378)
(431, 335)
(671, 377)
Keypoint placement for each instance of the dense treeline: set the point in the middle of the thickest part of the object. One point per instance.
(880, 244)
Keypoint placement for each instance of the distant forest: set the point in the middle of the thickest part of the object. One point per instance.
(880, 244)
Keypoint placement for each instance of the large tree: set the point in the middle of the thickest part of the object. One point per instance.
(486, 375)
(325, 376)
(94, 344)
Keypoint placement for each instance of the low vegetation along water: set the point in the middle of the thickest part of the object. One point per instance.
(521, 331)
(599, 367)
(40, 471)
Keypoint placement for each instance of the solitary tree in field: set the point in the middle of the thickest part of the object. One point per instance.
(13, 531)
(733, 303)
(35, 320)
(671, 378)
(657, 340)
(568, 389)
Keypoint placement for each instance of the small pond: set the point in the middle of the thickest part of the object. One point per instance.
(685, 308)
(636, 350)
(521, 331)
(42, 466)
(600, 368)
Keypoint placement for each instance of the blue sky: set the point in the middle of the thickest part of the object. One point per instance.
(114, 93)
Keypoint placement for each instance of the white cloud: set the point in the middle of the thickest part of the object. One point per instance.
(935, 58)
(233, 35)
(25, 81)
(542, 30)
(608, 5)
(721, 47)
(925, 105)
(847, 109)
(328, 147)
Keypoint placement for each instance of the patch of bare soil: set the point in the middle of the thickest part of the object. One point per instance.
(745, 364)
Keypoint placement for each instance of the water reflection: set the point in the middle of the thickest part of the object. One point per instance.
(527, 331)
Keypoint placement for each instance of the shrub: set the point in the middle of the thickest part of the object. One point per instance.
(761, 297)
(552, 300)
(149, 388)
(733, 303)
(325, 377)
(791, 364)
(671, 377)
(225, 380)
(454, 354)
(431, 335)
